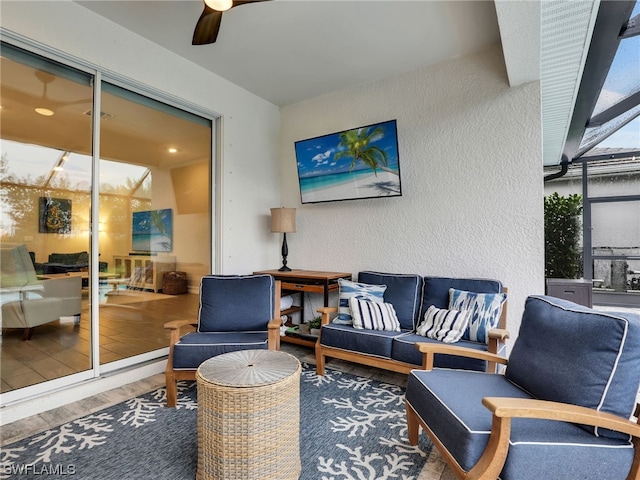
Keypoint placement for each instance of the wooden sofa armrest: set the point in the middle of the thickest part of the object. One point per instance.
(326, 312)
(492, 460)
(429, 350)
(273, 328)
(497, 336)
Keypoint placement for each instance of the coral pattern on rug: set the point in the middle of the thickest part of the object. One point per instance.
(351, 428)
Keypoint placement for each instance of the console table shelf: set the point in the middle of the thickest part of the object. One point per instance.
(144, 271)
(305, 281)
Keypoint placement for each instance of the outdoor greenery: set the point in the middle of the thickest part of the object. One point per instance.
(562, 224)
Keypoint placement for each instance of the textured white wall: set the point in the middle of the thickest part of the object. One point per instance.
(251, 125)
(471, 169)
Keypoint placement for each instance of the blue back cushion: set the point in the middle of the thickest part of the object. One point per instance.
(403, 292)
(436, 289)
(569, 353)
(236, 303)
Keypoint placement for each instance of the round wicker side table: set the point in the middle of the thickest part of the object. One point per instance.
(249, 416)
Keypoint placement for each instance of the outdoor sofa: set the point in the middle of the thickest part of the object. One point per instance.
(410, 297)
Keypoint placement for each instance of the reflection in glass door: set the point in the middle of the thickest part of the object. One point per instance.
(45, 187)
(155, 221)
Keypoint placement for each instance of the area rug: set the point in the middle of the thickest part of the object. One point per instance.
(351, 428)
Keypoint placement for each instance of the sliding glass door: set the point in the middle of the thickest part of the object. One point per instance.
(45, 190)
(155, 219)
(137, 189)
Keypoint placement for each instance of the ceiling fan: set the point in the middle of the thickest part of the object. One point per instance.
(208, 24)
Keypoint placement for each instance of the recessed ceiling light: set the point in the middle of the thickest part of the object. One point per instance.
(44, 111)
(173, 150)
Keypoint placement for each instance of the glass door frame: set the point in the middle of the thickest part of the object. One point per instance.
(96, 370)
(587, 225)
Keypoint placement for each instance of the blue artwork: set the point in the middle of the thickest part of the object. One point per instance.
(152, 231)
(358, 163)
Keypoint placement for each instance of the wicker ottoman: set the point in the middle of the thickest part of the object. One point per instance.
(249, 416)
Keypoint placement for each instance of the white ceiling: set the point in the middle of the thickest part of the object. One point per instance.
(286, 51)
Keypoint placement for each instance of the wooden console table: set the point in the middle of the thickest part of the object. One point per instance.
(301, 281)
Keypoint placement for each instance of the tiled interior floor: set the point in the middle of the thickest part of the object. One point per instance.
(435, 468)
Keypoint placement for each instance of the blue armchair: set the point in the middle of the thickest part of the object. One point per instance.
(561, 410)
(236, 313)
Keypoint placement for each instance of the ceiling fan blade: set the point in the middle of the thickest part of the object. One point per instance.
(208, 25)
(207, 28)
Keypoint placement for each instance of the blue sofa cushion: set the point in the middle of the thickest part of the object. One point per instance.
(463, 424)
(403, 349)
(194, 348)
(346, 337)
(233, 303)
(436, 289)
(403, 292)
(569, 353)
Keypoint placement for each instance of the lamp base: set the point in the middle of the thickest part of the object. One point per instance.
(284, 268)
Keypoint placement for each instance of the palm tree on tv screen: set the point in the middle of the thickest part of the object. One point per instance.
(357, 144)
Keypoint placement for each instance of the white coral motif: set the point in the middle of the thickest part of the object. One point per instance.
(66, 439)
(363, 467)
(7, 457)
(141, 411)
(381, 403)
(310, 376)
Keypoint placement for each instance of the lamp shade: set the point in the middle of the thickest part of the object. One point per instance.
(283, 220)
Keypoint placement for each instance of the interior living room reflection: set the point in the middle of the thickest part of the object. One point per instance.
(153, 223)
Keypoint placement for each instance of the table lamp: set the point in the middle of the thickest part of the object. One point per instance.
(283, 220)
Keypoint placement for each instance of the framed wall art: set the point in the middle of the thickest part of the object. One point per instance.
(54, 215)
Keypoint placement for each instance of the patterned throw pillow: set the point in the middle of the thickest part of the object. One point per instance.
(485, 309)
(349, 289)
(444, 325)
(372, 315)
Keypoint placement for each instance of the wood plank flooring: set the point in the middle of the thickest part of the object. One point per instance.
(131, 323)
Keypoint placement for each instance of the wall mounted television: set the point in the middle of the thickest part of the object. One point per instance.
(353, 164)
(152, 231)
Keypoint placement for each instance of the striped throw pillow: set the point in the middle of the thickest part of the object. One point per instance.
(363, 291)
(372, 315)
(444, 325)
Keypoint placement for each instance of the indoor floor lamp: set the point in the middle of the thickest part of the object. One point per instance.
(283, 220)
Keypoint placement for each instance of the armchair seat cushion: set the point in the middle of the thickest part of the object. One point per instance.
(463, 424)
(404, 350)
(369, 342)
(194, 348)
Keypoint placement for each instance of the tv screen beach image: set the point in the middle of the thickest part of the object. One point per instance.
(152, 231)
(353, 164)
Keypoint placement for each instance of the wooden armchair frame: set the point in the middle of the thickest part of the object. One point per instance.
(176, 327)
(492, 460)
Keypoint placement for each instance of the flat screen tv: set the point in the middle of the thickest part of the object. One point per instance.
(152, 231)
(353, 164)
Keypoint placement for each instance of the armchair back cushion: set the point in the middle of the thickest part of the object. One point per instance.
(568, 353)
(403, 292)
(225, 297)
